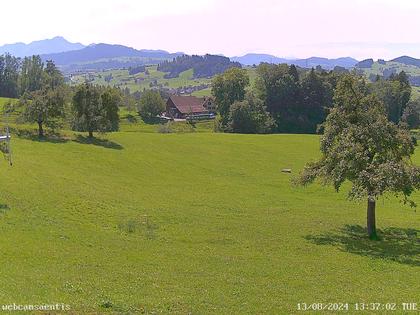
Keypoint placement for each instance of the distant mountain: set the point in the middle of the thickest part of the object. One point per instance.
(365, 64)
(104, 51)
(48, 46)
(256, 59)
(329, 64)
(325, 63)
(409, 61)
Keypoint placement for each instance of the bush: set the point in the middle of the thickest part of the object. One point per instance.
(165, 128)
(151, 105)
(250, 116)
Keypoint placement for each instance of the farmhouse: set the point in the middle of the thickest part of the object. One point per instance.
(182, 106)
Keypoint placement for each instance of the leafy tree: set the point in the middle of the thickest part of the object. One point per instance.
(362, 146)
(95, 109)
(279, 87)
(9, 76)
(395, 93)
(313, 103)
(250, 116)
(411, 115)
(45, 105)
(32, 74)
(151, 105)
(228, 88)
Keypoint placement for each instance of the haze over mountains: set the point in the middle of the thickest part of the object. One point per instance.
(255, 59)
(78, 57)
(48, 46)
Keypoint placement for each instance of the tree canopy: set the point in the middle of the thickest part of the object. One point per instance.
(362, 146)
(95, 109)
(151, 104)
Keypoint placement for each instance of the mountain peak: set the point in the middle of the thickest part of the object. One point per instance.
(56, 44)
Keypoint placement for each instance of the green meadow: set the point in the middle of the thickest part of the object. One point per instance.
(191, 222)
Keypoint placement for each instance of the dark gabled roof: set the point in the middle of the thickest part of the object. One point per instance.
(188, 104)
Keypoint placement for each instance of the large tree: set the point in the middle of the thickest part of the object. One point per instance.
(9, 75)
(95, 109)
(228, 88)
(45, 97)
(151, 104)
(250, 116)
(395, 93)
(362, 146)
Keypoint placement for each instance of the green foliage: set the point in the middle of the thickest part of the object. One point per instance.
(228, 88)
(151, 105)
(296, 101)
(411, 115)
(203, 66)
(250, 116)
(395, 93)
(32, 75)
(45, 94)
(360, 145)
(95, 109)
(9, 76)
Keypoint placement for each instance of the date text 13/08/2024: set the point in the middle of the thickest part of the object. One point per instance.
(409, 306)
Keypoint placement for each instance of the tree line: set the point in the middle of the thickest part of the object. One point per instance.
(288, 99)
(203, 66)
(46, 100)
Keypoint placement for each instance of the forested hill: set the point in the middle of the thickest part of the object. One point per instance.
(203, 66)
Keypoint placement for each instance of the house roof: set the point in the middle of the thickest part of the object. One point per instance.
(188, 104)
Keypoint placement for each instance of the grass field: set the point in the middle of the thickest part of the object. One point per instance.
(142, 222)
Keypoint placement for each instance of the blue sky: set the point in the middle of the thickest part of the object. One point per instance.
(298, 28)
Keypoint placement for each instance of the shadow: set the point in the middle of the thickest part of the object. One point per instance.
(4, 208)
(98, 142)
(33, 136)
(131, 118)
(394, 244)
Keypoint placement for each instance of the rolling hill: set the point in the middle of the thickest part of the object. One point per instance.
(409, 61)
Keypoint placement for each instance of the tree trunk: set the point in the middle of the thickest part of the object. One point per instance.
(371, 220)
(90, 134)
(40, 130)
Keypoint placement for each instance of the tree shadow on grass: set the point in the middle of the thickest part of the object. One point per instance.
(98, 142)
(394, 244)
(4, 208)
(33, 136)
(153, 120)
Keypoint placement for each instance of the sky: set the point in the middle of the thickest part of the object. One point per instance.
(285, 28)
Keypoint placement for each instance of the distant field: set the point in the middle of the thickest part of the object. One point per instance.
(121, 78)
(397, 67)
(141, 81)
(192, 222)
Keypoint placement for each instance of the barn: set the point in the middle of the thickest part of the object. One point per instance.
(182, 106)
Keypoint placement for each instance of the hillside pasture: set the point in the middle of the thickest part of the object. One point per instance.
(142, 222)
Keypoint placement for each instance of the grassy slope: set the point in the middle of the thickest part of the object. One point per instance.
(197, 222)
